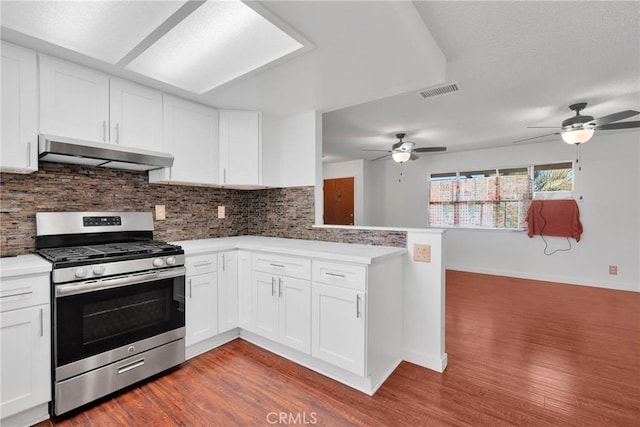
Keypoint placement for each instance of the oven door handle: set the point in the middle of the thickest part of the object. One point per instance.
(116, 282)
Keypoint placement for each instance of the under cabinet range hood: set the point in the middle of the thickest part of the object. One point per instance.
(59, 149)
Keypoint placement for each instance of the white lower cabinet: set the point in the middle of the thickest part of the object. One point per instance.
(338, 331)
(25, 341)
(201, 299)
(342, 319)
(245, 295)
(25, 337)
(282, 309)
(227, 291)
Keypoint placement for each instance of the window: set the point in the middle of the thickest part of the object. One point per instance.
(553, 177)
(492, 198)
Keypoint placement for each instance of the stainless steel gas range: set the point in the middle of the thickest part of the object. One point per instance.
(118, 302)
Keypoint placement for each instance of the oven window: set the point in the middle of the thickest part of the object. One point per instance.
(95, 322)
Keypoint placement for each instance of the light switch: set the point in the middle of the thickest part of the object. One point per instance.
(221, 213)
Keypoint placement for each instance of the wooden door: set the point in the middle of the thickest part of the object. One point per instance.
(338, 201)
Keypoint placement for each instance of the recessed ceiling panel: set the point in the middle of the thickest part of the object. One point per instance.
(218, 42)
(105, 30)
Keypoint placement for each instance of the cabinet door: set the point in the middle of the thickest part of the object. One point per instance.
(240, 148)
(18, 143)
(135, 115)
(245, 295)
(191, 135)
(227, 291)
(25, 362)
(266, 305)
(74, 101)
(202, 307)
(338, 332)
(295, 313)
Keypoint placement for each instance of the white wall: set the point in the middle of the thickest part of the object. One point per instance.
(609, 184)
(424, 302)
(355, 169)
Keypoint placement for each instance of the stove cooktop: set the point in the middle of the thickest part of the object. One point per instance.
(108, 252)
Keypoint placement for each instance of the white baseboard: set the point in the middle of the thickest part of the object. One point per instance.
(209, 344)
(547, 278)
(434, 363)
(29, 417)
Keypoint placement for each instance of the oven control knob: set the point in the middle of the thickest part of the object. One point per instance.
(158, 262)
(98, 270)
(81, 272)
(171, 260)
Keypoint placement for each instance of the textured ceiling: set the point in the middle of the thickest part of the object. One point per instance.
(519, 63)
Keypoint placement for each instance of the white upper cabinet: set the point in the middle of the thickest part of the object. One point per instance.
(135, 115)
(190, 133)
(81, 103)
(74, 101)
(19, 151)
(240, 148)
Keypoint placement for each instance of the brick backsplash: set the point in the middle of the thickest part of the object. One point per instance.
(290, 212)
(191, 210)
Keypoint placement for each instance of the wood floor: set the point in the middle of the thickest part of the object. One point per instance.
(520, 353)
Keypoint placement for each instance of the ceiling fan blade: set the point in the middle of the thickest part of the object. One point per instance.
(543, 127)
(622, 125)
(429, 149)
(371, 149)
(381, 157)
(535, 137)
(621, 115)
(414, 157)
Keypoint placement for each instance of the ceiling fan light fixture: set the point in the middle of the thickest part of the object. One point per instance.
(401, 156)
(577, 136)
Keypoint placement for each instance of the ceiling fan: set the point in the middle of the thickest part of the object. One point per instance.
(579, 129)
(403, 151)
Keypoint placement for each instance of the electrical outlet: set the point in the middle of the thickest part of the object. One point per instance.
(422, 253)
(221, 213)
(613, 270)
(161, 213)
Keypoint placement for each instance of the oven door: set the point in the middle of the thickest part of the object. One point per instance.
(100, 321)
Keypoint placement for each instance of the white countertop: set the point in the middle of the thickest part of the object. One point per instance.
(346, 252)
(23, 265)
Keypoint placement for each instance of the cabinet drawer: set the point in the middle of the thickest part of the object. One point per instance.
(24, 291)
(201, 264)
(282, 265)
(345, 275)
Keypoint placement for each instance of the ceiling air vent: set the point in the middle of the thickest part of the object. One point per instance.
(440, 90)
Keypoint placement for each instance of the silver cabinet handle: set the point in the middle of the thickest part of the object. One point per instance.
(357, 306)
(224, 175)
(277, 265)
(223, 263)
(280, 286)
(41, 322)
(117, 133)
(29, 153)
(202, 264)
(328, 273)
(190, 289)
(104, 130)
(130, 366)
(273, 286)
(19, 294)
